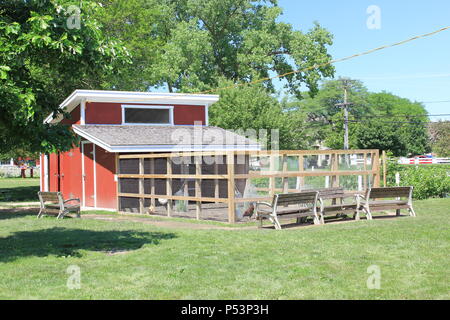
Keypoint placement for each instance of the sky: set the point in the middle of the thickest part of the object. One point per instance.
(419, 70)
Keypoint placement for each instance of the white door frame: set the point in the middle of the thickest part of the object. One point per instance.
(44, 169)
(83, 174)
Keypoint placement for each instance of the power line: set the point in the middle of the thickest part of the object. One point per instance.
(316, 66)
(407, 115)
(413, 122)
(417, 76)
(445, 101)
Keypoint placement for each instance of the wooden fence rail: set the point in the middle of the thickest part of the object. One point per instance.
(338, 164)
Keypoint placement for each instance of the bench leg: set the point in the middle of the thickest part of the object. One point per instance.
(368, 213)
(78, 213)
(260, 222)
(356, 216)
(276, 223)
(41, 213)
(61, 214)
(397, 212)
(412, 213)
(317, 220)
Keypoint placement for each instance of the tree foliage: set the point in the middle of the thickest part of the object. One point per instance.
(44, 56)
(321, 111)
(440, 138)
(252, 108)
(189, 45)
(376, 120)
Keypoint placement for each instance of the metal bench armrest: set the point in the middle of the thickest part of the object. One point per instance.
(359, 195)
(73, 199)
(263, 204)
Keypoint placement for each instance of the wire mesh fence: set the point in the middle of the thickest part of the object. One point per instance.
(224, 185)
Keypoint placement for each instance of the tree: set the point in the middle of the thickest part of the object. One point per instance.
(252, 108)
(48, 49)
(322, 118)
(138, 24)
(440, 138)
(376, 120)
(402, 120)
(192, 44)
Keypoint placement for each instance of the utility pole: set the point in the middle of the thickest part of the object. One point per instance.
(346, 84)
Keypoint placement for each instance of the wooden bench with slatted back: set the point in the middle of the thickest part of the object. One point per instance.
(372, 202)
(53, 203)
(336, 207)
(289, 205)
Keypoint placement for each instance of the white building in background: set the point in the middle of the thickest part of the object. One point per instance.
(7, 163)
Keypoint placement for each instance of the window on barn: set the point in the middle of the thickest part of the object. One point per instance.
(157, 115)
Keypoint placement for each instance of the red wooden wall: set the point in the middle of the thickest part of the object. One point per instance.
(111, 113)
(70, 173)
(106, 186)
(65, 175)
(74, 117)
(65, 169)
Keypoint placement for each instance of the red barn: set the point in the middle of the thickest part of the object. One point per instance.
(115, 122)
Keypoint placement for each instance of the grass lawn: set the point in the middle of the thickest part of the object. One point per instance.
(18, 189)
(129, 260)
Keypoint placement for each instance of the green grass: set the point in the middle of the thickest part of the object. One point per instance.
(317, 262)
(18, 189)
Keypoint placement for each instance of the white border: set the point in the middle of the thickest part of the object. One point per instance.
(95, 174)
(83, 112)
(133, 97)
(170, 108)
(41, 172)
(83, 187)
(46, 176)
(206, 115)
(82, 173)
(165, 148)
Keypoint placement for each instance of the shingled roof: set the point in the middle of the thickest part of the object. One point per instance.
(147, 138)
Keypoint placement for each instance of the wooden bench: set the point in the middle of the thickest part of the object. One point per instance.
(370, 201)
(338, 204)
(54, 203)
(290, 205)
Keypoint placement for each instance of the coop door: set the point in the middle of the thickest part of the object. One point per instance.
(88, 174)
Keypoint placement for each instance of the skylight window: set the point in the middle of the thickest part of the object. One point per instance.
(149, 115)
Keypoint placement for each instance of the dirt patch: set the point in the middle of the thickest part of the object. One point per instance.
(162, 223)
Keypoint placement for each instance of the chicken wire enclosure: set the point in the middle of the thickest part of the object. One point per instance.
(171, 182)
(225, 185)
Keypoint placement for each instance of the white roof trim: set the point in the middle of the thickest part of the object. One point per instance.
(134, 97)
(165, 148)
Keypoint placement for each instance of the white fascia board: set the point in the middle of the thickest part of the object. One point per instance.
(92, 139)
(165, 148)
(185, 148)
(134, 97)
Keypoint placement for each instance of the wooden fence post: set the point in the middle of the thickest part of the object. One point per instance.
(198, 186)
(384, 169)
(365, 169)
(335, 168)
(271, 179)
(376, 175)
(117, 176)
(231, 187)
(141, 186)
(169, 186)
(284, 170)
(152, 184)
(301, 179)
(216, 181)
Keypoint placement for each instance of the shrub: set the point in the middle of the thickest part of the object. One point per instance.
(429, 181)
